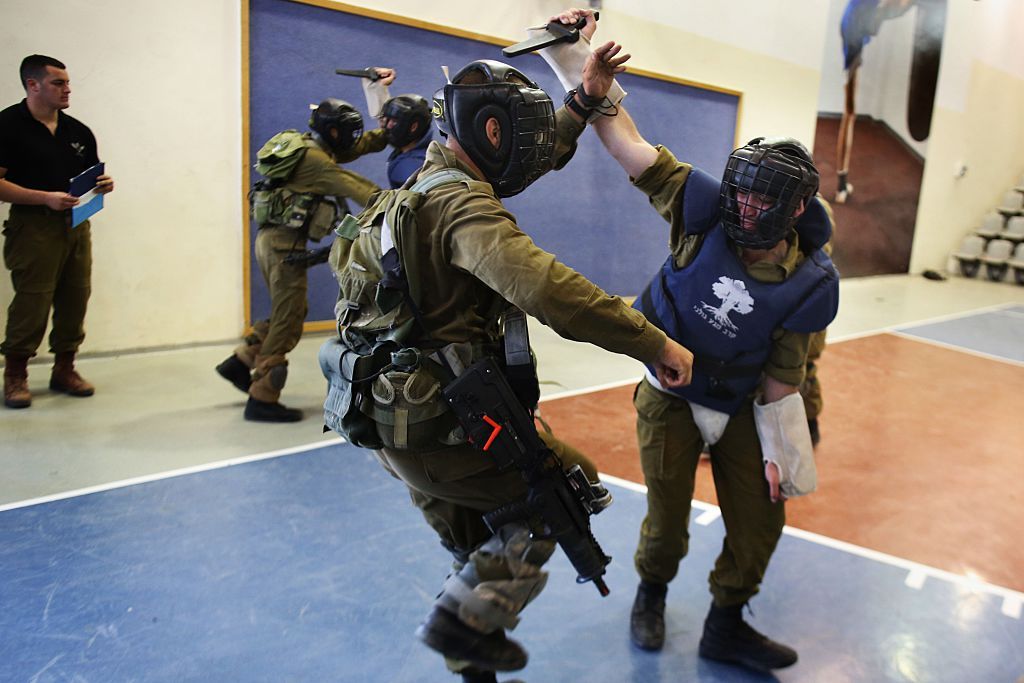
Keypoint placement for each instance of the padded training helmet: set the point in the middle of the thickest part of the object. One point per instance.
(485, 89)
(406, 110)
(773, 176)
(339, 116)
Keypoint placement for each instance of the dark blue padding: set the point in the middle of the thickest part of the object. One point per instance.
(588, 214)
(700, 202)
(814, 226)
(819, 309)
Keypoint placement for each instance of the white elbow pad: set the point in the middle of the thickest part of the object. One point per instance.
(786, 441)
(376, 95)
(567, 59)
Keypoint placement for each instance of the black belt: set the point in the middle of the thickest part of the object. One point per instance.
(39, 209)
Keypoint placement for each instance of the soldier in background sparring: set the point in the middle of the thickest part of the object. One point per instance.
(744, 288)
(41, 149)
(305, 205)
(502, 133)
(405, 121)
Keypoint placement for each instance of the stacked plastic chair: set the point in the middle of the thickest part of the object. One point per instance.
(996, 257)
(969, 255)
(1016, 262)
(992, 226)
(1012, 204)
(1014, 230)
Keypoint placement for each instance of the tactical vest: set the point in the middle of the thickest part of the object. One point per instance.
(271, 203)
(726, 318)
(380, 391)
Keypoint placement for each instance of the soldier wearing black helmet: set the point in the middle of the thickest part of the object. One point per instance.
(304, 205)
(745, 287)
(404, 121)
(501, 134)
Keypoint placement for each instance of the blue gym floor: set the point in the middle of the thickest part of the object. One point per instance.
(998, 332)
(314, 566)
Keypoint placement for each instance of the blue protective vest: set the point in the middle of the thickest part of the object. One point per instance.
(726, 318)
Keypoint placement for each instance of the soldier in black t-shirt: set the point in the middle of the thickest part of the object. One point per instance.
(41, 149)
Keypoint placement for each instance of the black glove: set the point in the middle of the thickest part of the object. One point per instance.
(307, 259)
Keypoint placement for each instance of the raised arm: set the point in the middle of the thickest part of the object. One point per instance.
(620, 137)
(616, 129)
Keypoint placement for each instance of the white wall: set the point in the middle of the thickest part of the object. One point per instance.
(159, 83)
(977, 122)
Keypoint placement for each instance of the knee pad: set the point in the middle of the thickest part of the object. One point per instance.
(278, 375)
(502, 577)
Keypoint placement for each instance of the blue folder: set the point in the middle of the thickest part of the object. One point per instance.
(90, 201)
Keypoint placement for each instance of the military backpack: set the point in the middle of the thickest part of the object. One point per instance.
(272, 203)
(382, 392)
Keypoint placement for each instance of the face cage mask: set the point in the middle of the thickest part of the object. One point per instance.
(761, 193)
(348, 123)
(531, 140)
(533, 144)
(404, 115)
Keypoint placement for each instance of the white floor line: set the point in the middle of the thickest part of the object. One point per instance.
(1012, 600)
(1012, 607)
(916, 323)
(219, 464)
(903, 334)
(707, 517)
(994, 308)
(914, 568)
(589, 390)
(915, 579)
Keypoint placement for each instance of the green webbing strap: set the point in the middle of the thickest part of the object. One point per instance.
(443, 177)
(348, 228)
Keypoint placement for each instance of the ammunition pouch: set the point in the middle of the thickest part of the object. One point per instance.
(265, 203)
(387, 398)
(272, 204)
(347, 373)
(410, 411)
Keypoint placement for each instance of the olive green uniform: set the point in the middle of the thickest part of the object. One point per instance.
(51, 267)
(670, 441)
(474, 260)
(316, 173)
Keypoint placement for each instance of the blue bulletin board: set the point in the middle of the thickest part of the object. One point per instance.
(588, 214)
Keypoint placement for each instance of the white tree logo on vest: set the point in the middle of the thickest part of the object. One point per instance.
(734, 296)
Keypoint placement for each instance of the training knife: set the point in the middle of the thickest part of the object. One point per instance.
(554, 32)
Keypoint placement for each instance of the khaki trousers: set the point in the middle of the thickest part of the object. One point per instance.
(670, 446)
(51, 268)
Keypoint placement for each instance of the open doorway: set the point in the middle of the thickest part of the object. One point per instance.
(880, 70)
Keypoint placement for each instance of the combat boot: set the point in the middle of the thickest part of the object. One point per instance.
(445, 633)
(647, 620)
(66, 380)
(263, 411)
(16, 393)
(235, 371)
(268, 379)
(727, 638)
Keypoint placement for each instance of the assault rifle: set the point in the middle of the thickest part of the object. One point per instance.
(559, 502)
(308, 259)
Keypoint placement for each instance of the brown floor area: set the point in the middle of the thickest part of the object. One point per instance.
(920, 457)
(875, 228)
